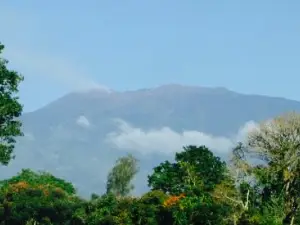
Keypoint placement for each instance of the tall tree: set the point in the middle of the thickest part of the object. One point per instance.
(10, 110)
(192, 162)
(275, 148)
(120, 177)
(190, 181)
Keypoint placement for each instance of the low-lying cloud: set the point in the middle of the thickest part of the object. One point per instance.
(166, 141)
(83, 121)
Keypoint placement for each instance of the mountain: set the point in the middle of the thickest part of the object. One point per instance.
(79, 136)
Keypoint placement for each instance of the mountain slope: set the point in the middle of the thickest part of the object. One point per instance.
(79, 136)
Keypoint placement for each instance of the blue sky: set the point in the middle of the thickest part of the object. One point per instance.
(61, 46)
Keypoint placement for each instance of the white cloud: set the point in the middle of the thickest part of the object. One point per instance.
(83, 121)
(166, 140)
(244, 130)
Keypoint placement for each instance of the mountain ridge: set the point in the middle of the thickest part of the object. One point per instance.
(96, 93)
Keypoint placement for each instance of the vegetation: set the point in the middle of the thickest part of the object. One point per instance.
(260, 185)
(119, 178)
(191, 164)
(10, 110)
(198, 188)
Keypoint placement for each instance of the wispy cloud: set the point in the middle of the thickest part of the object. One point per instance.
(53, 67)
(25, 54)
(166, 140)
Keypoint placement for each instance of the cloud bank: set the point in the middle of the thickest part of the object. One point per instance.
(167, 141)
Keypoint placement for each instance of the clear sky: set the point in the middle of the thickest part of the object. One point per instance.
(60, 46)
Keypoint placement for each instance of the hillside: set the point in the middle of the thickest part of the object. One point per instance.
(79, 136)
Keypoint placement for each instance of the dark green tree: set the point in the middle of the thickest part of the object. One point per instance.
(120, 177)
(10, 110)
(149, 209)
(172, 177)
(35, 179)
(40, 197)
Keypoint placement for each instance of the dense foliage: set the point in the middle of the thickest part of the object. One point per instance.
(10, 110)
(170, 177)
(260, 185)
(38, 196)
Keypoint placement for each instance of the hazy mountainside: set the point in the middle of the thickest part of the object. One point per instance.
(79, 136)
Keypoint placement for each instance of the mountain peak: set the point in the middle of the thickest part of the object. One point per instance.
(99, 89)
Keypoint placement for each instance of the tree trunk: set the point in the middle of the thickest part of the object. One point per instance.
(292, 220)
(289, 219)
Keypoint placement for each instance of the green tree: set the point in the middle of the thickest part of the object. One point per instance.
(35, 179)
(237, 190)
(40, 197)
(120, 177)
(275, 148)
(192, 162)
(10, 110)
(200, 209)
(190, 182)
(149, 209)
